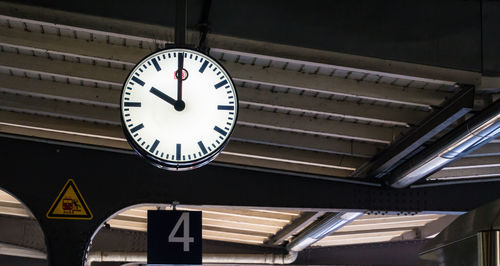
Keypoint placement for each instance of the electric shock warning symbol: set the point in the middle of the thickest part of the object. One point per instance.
(69, 204)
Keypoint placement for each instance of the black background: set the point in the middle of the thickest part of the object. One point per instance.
(160, 251)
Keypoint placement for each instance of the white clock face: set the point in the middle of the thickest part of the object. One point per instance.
(178, 122)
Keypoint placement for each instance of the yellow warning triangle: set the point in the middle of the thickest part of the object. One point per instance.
(69, 204)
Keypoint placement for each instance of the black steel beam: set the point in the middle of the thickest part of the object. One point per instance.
(35, 172)
(180, 22)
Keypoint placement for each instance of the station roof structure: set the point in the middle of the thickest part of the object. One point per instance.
(326, 91)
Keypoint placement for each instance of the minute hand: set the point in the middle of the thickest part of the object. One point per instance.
(180, 67)
(162, 96)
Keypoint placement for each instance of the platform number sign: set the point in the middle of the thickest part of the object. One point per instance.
(174, 237)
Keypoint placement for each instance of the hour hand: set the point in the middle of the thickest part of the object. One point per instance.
(162, 96)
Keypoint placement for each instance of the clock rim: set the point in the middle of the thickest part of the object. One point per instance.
(160, 163)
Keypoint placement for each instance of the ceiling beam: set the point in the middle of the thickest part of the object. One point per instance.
(146, 32)
(13, 101)
(278, 77)
(483, 172)
(474, 162)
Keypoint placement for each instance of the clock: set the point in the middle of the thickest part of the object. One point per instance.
(178, 108)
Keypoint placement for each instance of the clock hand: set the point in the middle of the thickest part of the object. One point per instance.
(180, 66)
(162, 96)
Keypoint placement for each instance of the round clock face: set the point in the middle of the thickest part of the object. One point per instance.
(178, 108)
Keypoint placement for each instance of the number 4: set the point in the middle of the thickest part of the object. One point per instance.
(186, 239)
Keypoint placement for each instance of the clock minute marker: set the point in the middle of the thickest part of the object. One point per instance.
(157, 66)
(178, 152)
(220, 84)
(202, 147)
(225, 107)
(132, 104)
(220, 130)
(203, 66)
(138, 81)
(138, 127)
(153, 147)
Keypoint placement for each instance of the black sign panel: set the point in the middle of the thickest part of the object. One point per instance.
(174, 237)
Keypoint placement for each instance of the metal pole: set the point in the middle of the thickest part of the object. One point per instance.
(180, 22)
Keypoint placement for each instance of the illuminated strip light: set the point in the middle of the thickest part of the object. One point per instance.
(476, 132)
(322, 229)
(287, 161)
(63, 132)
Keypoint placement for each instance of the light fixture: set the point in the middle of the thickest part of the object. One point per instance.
(331, 222)
(469, 136)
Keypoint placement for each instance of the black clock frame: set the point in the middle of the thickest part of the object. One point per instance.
(167, 165)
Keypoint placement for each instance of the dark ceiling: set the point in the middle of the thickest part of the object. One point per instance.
(453, 34)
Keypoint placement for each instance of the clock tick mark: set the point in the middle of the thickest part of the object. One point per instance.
(227, 87)
(135, 135)
(169, 56)
(178, 152)
(142, 144)
(210, 66)
(128, 120)
(145, 67)
(132, 104)
(164, 57)
(225, 107)
(138, 81)
(128, 88)
(220, 84)
(190, 56)
(155, 63)
(220, 130)
(203, 66)
(155, 144)
(230, 97)
(141, 70)
(218, 73)
(126, 109)
(231, 113)
(147, 147)
(138, 127)
(127, 93)
(218, 142)
(213, 145)
(196, 58)
(127, 114)
(149, 62)
(139, 139)
(202, 147)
